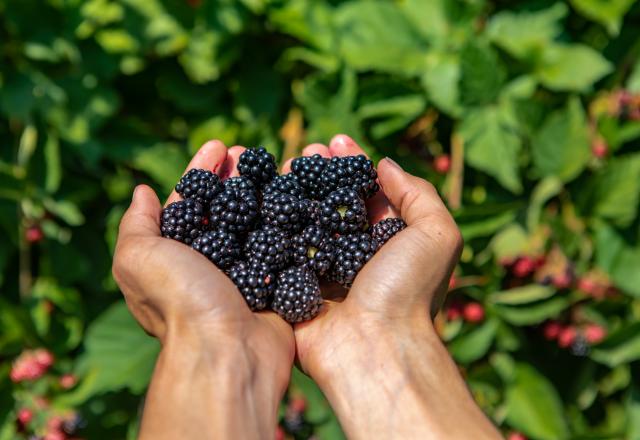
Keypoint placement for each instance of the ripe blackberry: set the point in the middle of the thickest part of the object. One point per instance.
(285, 211)
(351, 254)
(355, 172)
(255, 282)
(343, 211)
(183, 220)
(286, 184)
(387, 228)
(308, 170)
(219, 246)
(269, 246)
(198, 184)
(258, 165)
(235, 209)
(313, 248)
(297, 296)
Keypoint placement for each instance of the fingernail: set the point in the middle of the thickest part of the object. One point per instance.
(135, 192)
(393, 163)
(344, 141)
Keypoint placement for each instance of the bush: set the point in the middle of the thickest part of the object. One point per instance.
(525, 115)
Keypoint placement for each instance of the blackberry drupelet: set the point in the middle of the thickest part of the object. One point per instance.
(285, 184)
(308, 170)
(202, 185)
(297, 296)
(355, 172)
(258, 165)
(235, 209)
(255, 282)
(183, 220)
(219, 246)
(285, 211)
(387, 228)
(351, 254)
(270, 246)
(313, 248)
(343, 211)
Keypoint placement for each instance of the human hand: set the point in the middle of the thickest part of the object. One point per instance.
(203, 323)
(375, 354)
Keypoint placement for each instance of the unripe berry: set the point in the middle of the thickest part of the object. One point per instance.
(567, 337)
(67, 381)
(280, 434)
(562, 281)
(552, 330)
(24, 416)
(594, 333)
(442, 164)
(43, 357)
(473, 312)
(524, 266)
(298, 404)
(599, 148)
(33, 234)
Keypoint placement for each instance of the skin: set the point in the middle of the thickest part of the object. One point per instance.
(374, 353)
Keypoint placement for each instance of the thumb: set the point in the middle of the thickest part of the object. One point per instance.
(143, 216)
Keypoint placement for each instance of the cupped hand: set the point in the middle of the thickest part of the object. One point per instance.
(172, 290)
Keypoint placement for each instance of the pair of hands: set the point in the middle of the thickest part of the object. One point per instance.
(371, 344)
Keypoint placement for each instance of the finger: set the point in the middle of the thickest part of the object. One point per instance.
(286, 168)
(210, 156)
(320, 149)
(343, 145)
(143, 216)
(230, 167)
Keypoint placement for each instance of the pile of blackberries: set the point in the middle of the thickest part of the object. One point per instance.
(276, 235)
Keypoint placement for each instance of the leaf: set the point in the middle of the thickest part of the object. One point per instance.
(493, 146)
(431, 19)
(441, 80)
(482, 74)
(163, 162)
(471, 346)
(620, 347)
(618, 259)
(486, 227)
(633, 413)
(534, 407)
(118, 354)
(52, 159)
(609, 13)
(533, 313)
(218, 127)
(561, 147)
(547, 188)
(633, 82)
(522, 295)
(571, 67)
(510, 243)
(66, 210)
(376, 35)
(318, 409)
(526, 34)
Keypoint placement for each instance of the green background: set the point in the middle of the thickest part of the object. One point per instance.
(97, 96)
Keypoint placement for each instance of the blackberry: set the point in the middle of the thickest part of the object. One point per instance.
(219, 246)
(387, 228)
(258, 165)
(235, 209)
(308, 170)
(198, 184)
(297, 296)
(343, 211)
(351, 254)
(355, 172)
(286, 184)
(269, 246)
(285, 211)
(313, 248)
(255, 282)
(183, 220)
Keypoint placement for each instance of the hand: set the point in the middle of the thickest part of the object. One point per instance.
(375, 354)
(217, 355)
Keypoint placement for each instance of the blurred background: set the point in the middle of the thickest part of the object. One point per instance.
(525, 115)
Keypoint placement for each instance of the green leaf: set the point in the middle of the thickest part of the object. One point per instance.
(561, 147)
(163, 162)
(218, 127)
(633, 82)
(52, 159)
(522, 295)
(487, 226)
(66, 210)
(430, 19)
(482, 74)
(509, 243)
(492, 145)
(547, 188)
(633, 413)
(571, 67)
(526, 34)
(441, 80)
(471, 346)
(609, 13)
(620, 347)
(534, 407)
(118, 354)
(616, 257)
(533, 313)
(376, 35)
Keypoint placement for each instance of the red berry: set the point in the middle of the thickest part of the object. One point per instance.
(594, 333)
(599, 148)
(44, 357)
(473, 312)
(34, 234)
(552, 330)
(24, 416)
(280, 435)
(67, 381)
(442, 164)
(562, 281)
(454, 311)
(452, 282)
(587, 285)
(298, 404)
(567, 337)
(523, 267)
(55, 435)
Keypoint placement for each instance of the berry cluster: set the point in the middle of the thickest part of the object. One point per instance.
(276, 236)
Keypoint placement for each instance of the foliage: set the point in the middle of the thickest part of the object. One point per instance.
(534, 106)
